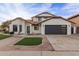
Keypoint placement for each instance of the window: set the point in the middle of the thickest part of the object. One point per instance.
(36, 27)
(20, 28)
(47, 17)
(39, 19)
(15, 28)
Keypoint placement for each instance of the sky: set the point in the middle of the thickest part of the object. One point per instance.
(9, 11)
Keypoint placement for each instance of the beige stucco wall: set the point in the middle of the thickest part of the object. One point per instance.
(56, 22)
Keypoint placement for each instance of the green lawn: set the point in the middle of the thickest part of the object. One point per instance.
(3, 36)
(30, 41)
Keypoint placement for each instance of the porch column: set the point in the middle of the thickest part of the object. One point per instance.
(74, 29)
(31, 29)
(17, 29)
(68, 29)
(42, 29)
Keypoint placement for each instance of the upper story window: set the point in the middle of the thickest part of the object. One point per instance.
(43, 18)
(47, 17)
(39, 19)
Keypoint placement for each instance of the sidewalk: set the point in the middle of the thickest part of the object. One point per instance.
(39, 53)
(9, 41)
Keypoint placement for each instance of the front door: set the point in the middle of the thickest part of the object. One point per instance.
(72, 30)
(28, 29)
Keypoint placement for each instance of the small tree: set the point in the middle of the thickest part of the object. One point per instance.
(5, 25)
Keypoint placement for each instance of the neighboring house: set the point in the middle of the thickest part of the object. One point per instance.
(43, 23)
(75, 19)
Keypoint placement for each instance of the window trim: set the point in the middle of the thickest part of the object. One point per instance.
(36, 27)
(15, 28)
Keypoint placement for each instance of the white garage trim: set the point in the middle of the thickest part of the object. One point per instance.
(74, 29)
(56, 22)
(68, 29)
(42, 29)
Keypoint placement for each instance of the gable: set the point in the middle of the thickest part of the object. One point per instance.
(19, 21)
(56, 21)
(45, 14)
(42, 16)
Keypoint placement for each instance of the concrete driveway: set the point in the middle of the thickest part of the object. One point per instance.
(64, 42)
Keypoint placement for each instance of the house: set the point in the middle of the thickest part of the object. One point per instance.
(75, 19)
(43, 23)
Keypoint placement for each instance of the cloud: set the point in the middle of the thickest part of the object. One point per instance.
(38, 8)
(10, 11)
(27, 10)
(70, 9)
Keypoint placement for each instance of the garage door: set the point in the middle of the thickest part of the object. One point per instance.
(55, 29)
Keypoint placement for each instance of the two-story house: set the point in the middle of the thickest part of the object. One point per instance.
(43, 23)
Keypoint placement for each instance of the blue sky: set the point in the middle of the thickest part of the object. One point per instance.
(27, 10)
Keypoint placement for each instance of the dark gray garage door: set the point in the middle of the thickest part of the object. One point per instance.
(55, 29)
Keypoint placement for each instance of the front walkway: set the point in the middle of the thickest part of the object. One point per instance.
(9, 41)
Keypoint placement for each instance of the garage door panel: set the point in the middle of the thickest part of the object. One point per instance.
(55, 29)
